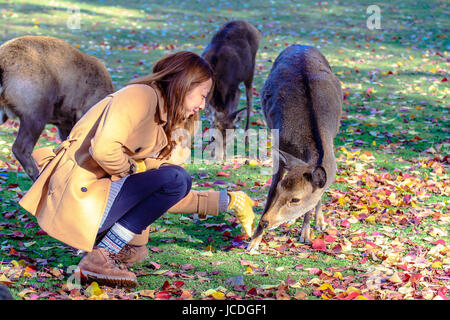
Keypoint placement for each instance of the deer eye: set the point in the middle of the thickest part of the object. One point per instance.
(295, 200)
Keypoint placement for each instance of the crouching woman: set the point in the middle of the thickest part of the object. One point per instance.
(118, 171)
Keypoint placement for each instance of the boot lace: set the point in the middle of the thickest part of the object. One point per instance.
(113, 258)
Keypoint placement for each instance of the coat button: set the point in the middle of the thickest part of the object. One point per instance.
(84, 189)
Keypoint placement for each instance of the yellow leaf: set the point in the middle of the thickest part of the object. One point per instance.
(346, 245)
(338, 275)
(5, 280)
(366, 156)
(352, 220)
(206, 253)
(159, 272)
(270, 286)
(326, 286)
(395, 278)
(391, 197)
(437, 265)
(352, 289)
(218, 295)
(360, 298)
(437, 232)
(207, 293)
(25, 292)
(93, 290)
(248, 270)
(314, 281)
(353, 154)
(370, 219)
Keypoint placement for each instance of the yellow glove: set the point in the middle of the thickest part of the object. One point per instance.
(242, 205)
(140, 166)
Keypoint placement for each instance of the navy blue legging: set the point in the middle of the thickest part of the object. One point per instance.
(146, 196)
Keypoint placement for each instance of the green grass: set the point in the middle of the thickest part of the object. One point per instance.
(403, 123)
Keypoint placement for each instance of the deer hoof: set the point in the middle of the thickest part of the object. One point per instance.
(321, 227)
(304, 240)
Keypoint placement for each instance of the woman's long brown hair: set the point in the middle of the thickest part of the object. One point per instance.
(175, 75)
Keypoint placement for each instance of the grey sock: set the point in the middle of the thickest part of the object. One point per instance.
(224, 200)
(116, 238)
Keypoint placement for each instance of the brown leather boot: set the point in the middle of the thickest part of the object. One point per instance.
(102, 266)
(131, 254)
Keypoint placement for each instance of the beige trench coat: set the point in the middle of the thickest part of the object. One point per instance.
(70, 194)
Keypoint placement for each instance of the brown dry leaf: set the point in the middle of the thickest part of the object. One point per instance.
(186, 295)
(147, 293)
(300, 295)
(282, 293)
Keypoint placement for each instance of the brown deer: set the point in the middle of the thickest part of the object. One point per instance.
(231, 54)
(302, 99)
(46, 80)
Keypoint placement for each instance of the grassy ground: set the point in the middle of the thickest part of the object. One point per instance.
(387, 211)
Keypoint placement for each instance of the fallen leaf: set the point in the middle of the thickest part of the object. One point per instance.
(163, 295)
(282, 293)
(147, 293)
(395, 278)
(319, 244)
(300, 295)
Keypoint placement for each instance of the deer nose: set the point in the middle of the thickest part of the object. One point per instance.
(264, 224)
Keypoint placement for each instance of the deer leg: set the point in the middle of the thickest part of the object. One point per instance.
(249, 99)
(319, 224)
(64, 131)
(29, 131)
(305, 236)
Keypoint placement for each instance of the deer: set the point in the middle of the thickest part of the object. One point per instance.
(302, 100)
(231, 54)
(46, 80)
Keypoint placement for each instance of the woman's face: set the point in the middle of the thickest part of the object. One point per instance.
(195, 99)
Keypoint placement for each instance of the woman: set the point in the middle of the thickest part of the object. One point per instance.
(118, 171)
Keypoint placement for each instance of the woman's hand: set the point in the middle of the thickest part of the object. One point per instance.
(241, 204)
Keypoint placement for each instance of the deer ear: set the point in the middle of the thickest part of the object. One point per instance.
(289, 160)
(319, 177)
